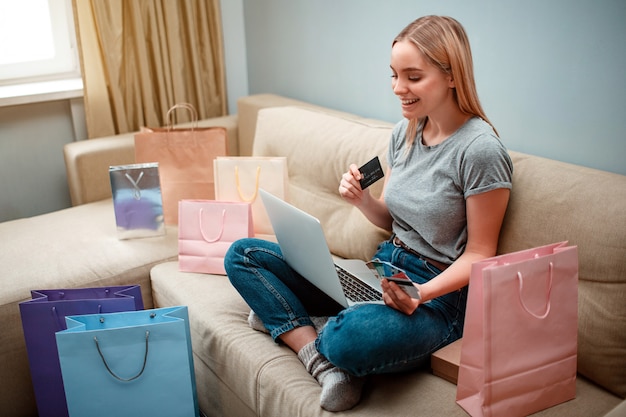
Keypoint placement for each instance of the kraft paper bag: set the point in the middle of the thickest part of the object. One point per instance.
(185, 157)
(239, 179)
(135, 363)
(519, 349)
(45, 314)
(206, 229)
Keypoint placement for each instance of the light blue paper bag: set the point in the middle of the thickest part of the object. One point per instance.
(45, 314)
(136, 363)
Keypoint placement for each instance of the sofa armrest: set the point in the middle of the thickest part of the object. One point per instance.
(87, 165)
(87, 162)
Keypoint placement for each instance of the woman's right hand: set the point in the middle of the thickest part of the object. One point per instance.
(373, 208)
(350, 187)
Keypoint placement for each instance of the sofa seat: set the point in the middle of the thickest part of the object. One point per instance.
(69, 248)
(242, 372)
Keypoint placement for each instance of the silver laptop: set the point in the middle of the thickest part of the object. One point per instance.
(302, 242)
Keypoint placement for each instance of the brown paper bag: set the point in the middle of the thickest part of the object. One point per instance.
(185, 157)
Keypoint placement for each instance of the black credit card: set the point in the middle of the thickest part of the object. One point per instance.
(372, 172)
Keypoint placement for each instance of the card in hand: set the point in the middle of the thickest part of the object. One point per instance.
(382, 269)
(372, 172)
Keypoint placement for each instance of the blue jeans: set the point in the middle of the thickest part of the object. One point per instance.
(362, 339)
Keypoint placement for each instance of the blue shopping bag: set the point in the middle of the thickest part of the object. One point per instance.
(44, 315)
(136, 363)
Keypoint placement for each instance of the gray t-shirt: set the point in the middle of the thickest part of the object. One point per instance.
(428, 185)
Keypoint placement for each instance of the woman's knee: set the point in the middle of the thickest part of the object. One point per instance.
(234, 254)
(236, 249)
(344, 343)
(236, 257)
(248, 252)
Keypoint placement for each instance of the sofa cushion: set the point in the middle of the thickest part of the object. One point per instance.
(242, 372)
(581, 205)
(87, 251)
(554, 201)
(320, 146)
(87, 163)
(75, 247)
(220, 337)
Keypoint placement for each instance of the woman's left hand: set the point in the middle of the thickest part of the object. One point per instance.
(395, 297)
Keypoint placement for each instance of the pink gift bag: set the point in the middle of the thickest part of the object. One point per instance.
(519, 348)
(206, 229)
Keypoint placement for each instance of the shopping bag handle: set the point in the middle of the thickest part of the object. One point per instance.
(219, 236)
(106, 365)
(256, 186)
(186, 106)
(520, 278)
(136, 189)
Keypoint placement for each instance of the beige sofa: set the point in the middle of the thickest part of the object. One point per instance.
(71, 248)
(242, 372)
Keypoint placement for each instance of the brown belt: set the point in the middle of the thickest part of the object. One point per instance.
(439, 265)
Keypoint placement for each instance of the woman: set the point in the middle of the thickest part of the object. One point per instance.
(444, 198)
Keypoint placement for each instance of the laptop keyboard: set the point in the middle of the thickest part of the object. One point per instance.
(355, 289)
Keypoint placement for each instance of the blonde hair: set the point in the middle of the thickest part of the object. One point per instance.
(444, 43)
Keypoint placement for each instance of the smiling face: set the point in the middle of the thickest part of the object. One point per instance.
(423, 89)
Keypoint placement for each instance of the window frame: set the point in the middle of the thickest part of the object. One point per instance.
(65, 62)
(57, 80)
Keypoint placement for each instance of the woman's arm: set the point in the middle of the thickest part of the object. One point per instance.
(485, 213)
(374, 209)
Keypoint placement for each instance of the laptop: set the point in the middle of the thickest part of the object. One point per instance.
(304, 247)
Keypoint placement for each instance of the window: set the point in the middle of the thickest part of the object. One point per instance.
(37, 41)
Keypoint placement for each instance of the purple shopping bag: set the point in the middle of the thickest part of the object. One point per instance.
(44, 315)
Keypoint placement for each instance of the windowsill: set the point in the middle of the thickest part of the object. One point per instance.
(12, 95)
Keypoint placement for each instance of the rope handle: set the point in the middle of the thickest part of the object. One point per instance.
(520, 278)
(256, 186)
(135, 183)
(219, 236)
(106, 365)
(186, 106)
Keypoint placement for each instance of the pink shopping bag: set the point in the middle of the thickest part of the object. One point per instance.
(519, 346)
(206, 229)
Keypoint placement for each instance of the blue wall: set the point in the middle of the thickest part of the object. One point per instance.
(550, 74)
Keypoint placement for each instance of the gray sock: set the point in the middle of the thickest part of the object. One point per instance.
(255, 322)
(340, 390)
